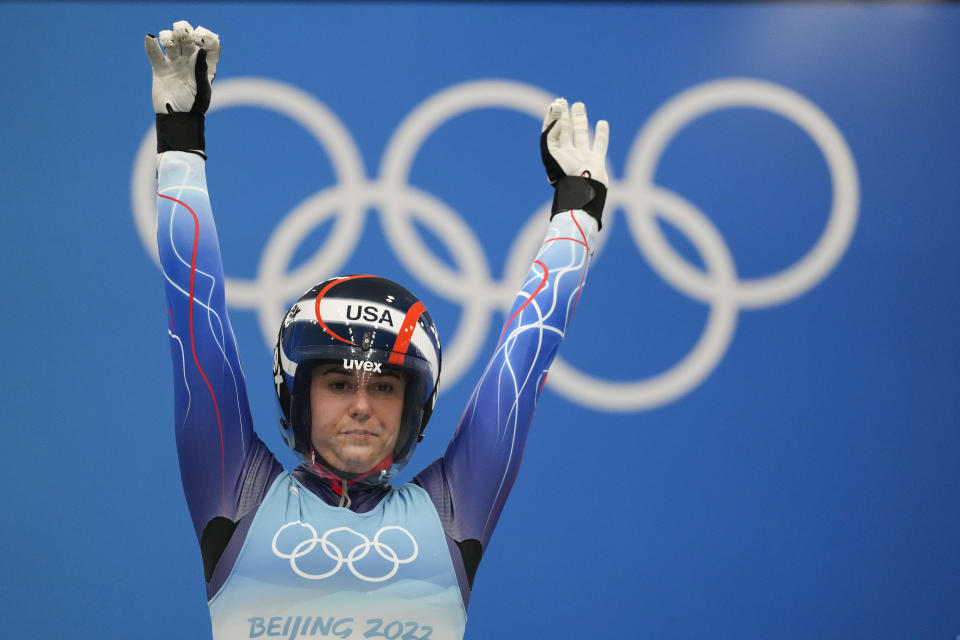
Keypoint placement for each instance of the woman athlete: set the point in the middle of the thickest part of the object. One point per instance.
(332, 549)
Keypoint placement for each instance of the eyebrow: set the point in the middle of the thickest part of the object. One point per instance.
(323, 370)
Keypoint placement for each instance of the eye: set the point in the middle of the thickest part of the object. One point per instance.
(384, 387)
(338, 386)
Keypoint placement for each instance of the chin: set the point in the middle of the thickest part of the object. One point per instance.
(360, 465)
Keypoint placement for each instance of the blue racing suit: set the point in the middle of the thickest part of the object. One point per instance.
(281, 558)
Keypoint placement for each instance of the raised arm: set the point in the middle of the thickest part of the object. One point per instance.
(471, 482)
(215, 439)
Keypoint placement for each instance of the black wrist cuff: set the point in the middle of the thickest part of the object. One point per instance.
(180, 132)
(574, 192)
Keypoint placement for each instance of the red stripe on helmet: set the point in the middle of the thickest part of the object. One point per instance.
(402, 342)
(316, 305)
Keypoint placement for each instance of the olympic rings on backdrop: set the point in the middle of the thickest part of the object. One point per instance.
(335, 553)
(470, 284)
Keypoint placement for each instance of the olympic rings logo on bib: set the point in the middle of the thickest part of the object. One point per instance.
(470, 284)
(333, 552)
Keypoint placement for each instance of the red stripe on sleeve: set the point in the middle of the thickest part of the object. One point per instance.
(586, 263)
(543, 283)
(193, 348)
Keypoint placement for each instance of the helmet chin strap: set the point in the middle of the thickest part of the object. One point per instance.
(325, 470)
(340, 481)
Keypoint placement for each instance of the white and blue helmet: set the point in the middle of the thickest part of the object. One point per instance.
(362, 318)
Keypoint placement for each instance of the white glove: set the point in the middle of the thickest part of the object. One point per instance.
(568, 143)
(577, 170)
(190, 62)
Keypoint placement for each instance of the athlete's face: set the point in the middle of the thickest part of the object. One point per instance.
(356, 416)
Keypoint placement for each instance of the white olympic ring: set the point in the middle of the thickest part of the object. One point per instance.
(333, 552)
(470, 283)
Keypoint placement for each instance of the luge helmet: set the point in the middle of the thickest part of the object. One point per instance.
(357, 319)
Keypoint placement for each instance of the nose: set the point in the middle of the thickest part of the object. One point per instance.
(360, 407)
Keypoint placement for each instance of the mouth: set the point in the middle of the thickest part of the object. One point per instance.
(359, 435)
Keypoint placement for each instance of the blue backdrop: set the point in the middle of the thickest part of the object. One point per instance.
(764, 359)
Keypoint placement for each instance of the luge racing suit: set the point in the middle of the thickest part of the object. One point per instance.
(281, 559)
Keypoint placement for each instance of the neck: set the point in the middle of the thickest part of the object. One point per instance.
(326, 470)
(330, 488)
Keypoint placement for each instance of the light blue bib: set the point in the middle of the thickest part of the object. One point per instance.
(309, 570)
